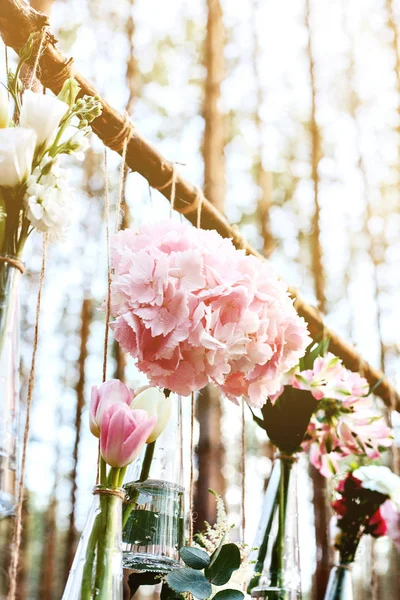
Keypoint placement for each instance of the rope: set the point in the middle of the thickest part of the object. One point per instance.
(14, 262)
(38, 56)
(16, 541)
(102, 491)
(121, 183)
(191, 489)
(186, 210)
(61, 75)
(288, 457)
(117, 141)
(243, 467)
(346, 566)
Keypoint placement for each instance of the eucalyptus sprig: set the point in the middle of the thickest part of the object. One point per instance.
(203, 571)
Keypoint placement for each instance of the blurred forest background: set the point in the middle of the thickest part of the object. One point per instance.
(288, 114)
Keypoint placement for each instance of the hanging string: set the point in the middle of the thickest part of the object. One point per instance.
(243, 467)
(199, 209)
(173, 188)
(16, 541)
(122, 179)
(191, 489)
(6, 61)
(108, 300)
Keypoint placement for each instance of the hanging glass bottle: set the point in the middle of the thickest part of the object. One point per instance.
(96, 572)
(276, 574)
(154, 516)
(340, 584)
(9, 384)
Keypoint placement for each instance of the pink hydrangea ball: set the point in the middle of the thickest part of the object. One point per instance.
(191, 309)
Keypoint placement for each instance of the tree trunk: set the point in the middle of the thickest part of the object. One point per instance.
(210, 456)
(48, 566)
(315, 238)
(214, 132)
(210, 451)
(86, 317)
(263, 177)
(323, 544)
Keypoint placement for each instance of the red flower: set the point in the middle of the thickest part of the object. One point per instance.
(376, 525)
(340, 507)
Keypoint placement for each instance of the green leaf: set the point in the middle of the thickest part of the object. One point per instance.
(228, 595)
(216, 552)
(194, 557)
(228, 560)
(190, 580)
(168, 593)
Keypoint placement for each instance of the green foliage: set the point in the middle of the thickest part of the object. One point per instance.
(195, 557)
(226, 561)
(218, 570)
(313, 351)
(190, 580)
(228, 595)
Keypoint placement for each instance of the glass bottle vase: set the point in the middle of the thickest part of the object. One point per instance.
(154, 515)
(96, 573)
(9, 385)
(276, 573)
(340, 584)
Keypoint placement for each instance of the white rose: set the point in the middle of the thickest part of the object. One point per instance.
(17, 147)
(380, 479)
(4, 107)
(43, 114)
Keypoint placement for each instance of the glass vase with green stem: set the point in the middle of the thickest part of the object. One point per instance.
(276, 574)
(96, 572)
(153, 517)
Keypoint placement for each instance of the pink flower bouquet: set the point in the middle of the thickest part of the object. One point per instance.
(191, 309)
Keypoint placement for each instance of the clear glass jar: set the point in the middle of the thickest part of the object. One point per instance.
(155, 529)
(276, 573)
(9, 384)
(340, 584)
(96, 573)
(154, 517)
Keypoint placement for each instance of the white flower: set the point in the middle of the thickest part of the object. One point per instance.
(47, 202)
(17, 147)
(43, 114)
(380, 479)
(4, 107)
(79, 143)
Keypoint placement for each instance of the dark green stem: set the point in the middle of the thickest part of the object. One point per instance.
(144, 474)
(286, 466)
(272, 497)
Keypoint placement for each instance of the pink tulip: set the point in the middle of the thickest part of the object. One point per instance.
(123, 434)
(108, 393)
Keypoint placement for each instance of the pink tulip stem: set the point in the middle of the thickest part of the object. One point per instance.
(103, 471)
